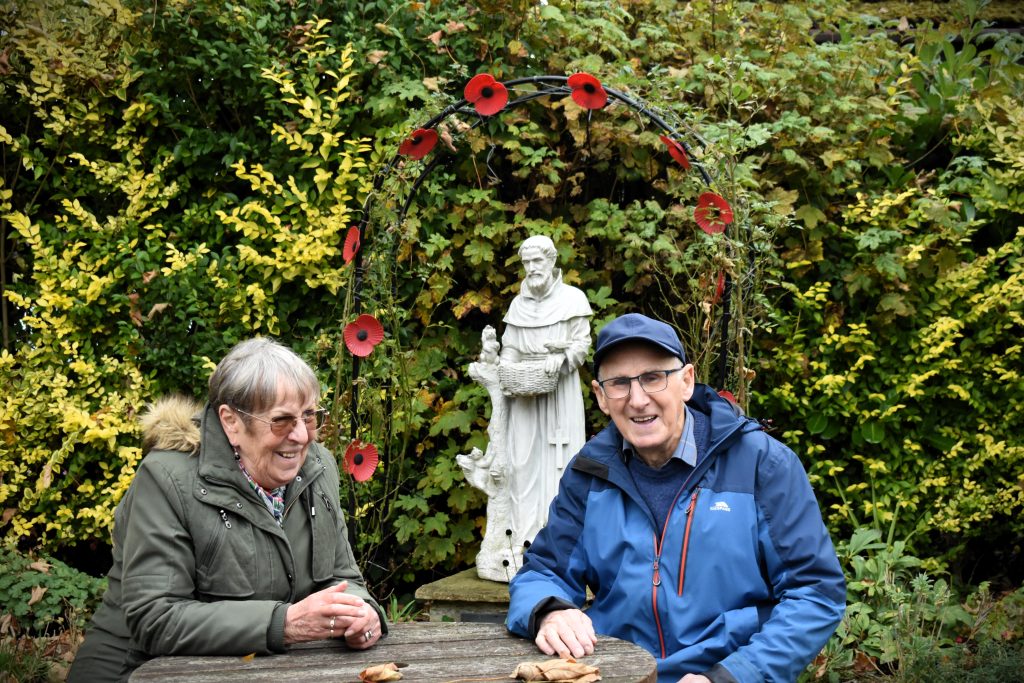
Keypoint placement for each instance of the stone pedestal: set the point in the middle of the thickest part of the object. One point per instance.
(465, 597)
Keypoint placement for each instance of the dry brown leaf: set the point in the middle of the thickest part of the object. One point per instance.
(381, 672)
(435, 37)
(156, 310)
(8, 625)
(41, 566)
(8, 513)
(374, 56)
(557, 670)
(37, 594)
(249, 657)
(446, 136)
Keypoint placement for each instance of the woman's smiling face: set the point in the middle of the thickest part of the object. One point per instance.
(271, 460)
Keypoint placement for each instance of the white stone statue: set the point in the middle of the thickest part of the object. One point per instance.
(537, 421)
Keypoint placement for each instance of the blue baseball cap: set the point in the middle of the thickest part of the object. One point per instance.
(637, 327)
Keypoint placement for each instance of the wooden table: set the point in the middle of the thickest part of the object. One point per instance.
(431, 652)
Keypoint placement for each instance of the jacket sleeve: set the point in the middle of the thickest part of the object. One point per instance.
(802, 568)
(345, 567)
(553, 572)
(158, 587)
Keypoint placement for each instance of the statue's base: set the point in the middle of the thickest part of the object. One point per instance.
(465, 597)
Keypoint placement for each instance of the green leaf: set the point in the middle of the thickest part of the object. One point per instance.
(552, 13)
(873, 432)
(810, 215)
(817, 424)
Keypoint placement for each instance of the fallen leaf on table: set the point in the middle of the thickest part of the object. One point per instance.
(249, 657)
(557, 670)
(381, 672)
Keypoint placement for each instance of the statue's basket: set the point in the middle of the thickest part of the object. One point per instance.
(526, 378)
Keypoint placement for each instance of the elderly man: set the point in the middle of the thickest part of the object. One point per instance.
(697, 533)
(547, 321)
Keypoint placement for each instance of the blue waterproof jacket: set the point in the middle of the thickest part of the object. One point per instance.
(742, 584)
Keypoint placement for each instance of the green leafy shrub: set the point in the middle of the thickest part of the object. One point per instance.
(44, 596)
(180, 179)
(903, 302)
(905, 623)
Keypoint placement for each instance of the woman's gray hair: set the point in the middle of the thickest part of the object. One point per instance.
(247, 378)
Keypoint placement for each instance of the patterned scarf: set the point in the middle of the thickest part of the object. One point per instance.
(274, 500)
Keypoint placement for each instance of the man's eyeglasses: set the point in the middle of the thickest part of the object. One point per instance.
(284, 424)
(651, 382)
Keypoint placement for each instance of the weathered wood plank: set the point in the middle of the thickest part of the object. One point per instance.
(426, 652)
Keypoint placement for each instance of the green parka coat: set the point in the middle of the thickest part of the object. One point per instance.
(200, 564)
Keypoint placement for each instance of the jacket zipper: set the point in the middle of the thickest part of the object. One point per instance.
(655, 582)
(656, 573)
(686, 539)
(656, 569)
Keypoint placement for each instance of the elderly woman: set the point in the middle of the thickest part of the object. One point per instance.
(231, 539)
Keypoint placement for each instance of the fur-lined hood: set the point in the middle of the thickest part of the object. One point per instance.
(171, 424)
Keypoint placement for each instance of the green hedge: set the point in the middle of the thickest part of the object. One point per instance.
(184, 178)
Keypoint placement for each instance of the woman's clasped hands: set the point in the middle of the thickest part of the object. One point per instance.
(333, 613)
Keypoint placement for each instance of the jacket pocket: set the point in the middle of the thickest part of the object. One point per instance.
(226, 565)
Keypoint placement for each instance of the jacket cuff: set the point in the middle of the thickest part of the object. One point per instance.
(542, 609)
(719, 674)
(382, 617)
(275, 632)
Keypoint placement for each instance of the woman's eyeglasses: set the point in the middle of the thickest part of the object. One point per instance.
(284, 424)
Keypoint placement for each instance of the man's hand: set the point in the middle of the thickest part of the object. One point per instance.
(694, 678)
(566, 632)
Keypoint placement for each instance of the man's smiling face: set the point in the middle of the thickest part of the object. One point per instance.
(652, 423)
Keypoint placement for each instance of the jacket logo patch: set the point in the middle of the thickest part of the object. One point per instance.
(721, 506)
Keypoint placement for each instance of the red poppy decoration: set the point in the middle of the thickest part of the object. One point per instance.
(677, 151)
(352, 244)
(728, 396)
(719, 289)
(419, 144)
(587, 91)
(361, 460)
(487, 95)
(712, 213)
(362, 335)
